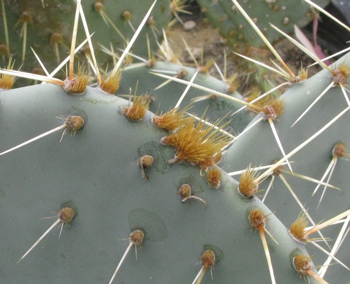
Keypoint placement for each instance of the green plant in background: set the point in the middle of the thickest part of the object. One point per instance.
(95, 177)
(233, 26)
(238, 34)
(46, 28)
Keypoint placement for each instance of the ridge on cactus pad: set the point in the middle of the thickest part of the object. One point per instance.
(98, 170)
(90, 181)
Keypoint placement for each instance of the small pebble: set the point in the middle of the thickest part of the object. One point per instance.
(189, 25)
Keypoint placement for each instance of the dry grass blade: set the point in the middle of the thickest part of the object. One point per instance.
(34, 139)
(301, 205)
(275, 134)
(335, 248)
(267, 254)
(302, 145)
(74, 39)
(134, 37)
(5, 25)
(279, 72)
(42, 236)
(272, 49)
(262, 96)
(31, 76)
(186, 90)
(327, 14)
(331, 56)
(59, 67)
(206, 90)
(40, 62)
(86, 28)
(329, 254)
(300, 46)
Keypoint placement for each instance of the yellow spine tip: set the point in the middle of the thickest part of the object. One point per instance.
(138, 109)
(257, 218)
(247, 185)
(66, 215)
(111, 84)
(297, 229)
(214, 177)
(302, 264)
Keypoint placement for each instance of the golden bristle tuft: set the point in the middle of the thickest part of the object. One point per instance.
(247, 185)
(204, 69)
(206, 164)
(214, 177)
(78, 84)
(302, 75)
(302, 264)
(339, 150)
(187, 131)
(197, 143)
(217, 158)
(254, 93)
(171, 120)
(170, 140)
(7, 81)
(233, 83)
(273, 109)
(297, 229)
(111, 84)
(138, 110)
(178, 6)
(340, 75)
(257, 218)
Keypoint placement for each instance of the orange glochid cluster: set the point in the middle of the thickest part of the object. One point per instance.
(7, 81)
(339, 151)
(197, 143)
(74, 123)
(208, 258)
(214, 177)
(78, 84)
(273, 109)
(302, 264)
(136, 237)
(111, 84)
(172, 119)
(257, 218)
(66, 215)
(248, 185)
(297, 229)
(233, 83)
(340, 75)
(138, 109)
(184, 191)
